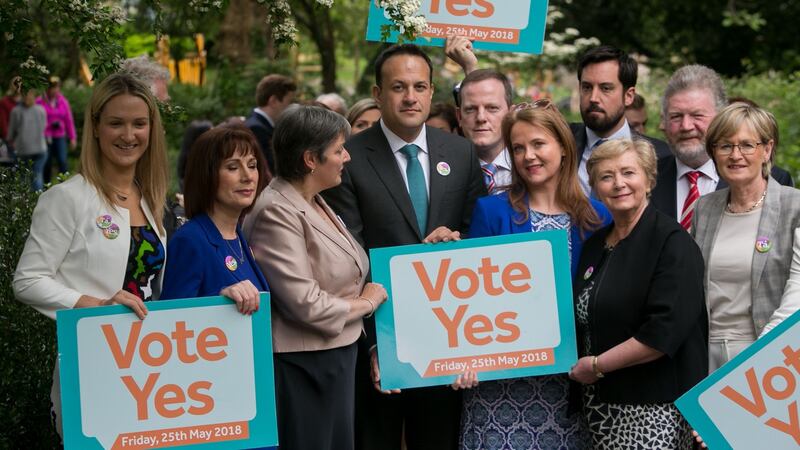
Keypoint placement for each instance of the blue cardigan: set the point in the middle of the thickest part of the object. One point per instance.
(196, 262)
(494, 216)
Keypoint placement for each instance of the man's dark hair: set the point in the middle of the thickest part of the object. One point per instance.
(396, 50)
(488, 74)
(628, 69)
(273, 86)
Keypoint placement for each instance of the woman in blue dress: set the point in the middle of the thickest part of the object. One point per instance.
(208, 255)
(544, 194)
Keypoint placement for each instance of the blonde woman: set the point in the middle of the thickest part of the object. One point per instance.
(97, 239)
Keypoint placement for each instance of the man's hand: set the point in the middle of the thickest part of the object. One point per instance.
(459, 49)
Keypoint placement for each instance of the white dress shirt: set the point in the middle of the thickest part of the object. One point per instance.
(705, 183)
(502, 177)
(591, 140)
(421, 141)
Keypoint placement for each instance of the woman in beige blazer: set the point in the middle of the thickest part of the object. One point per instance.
(748, 234)
(317, 273)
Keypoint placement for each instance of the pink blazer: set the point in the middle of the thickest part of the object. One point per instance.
(314, 271)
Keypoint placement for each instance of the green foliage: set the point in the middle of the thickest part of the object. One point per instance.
(139, 44)
(27, 338)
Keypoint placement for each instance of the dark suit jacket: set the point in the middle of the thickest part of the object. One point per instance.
(373, 200)
(579, 132)
(665, 196)
(196, 262)
(263, 131)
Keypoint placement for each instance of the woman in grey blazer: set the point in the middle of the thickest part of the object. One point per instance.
(748, 234)
(317, 272)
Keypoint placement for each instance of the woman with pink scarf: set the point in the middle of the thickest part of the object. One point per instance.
(60, 127)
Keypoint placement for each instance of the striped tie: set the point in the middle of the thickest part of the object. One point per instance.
(488, 176)
(691, 200)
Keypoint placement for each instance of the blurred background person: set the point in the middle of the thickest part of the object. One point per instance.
(544, 195)
(274, 93)
(636, 114)
(748, 234)
(209, 255)
(97, 239)
(333, 102)
(151, 73)
(26, 135)
(443, 116)
(193, 131)
(640, 311)
(317, 272)
(60, 130)
(364, 114)
(12, 97)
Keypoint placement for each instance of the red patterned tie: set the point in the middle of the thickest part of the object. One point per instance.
(691, 200)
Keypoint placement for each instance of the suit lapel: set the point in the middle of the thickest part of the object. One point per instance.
(770, 215)
(382, 159)
(438, 182)
(713, 213)
(667, 194)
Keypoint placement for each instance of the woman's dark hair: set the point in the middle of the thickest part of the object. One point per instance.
(193, 131)
(301, 129)
(208, 153)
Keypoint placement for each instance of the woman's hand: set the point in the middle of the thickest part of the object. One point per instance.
(698, 439)
(466, 380)
(133, 302)
(245, 294)
(582, 371)
(375, 292)
(375, 372)
(442, 234)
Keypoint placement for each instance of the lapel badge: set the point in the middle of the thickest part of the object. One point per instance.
(111, 232)
(588, 273)
(230, 263)
(763, 244)
(443, 168)
(103, 221)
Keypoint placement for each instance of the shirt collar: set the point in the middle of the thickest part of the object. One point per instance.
(264, 115)
(708, 170)
(622, 133)
(501, 160)
(396, 142)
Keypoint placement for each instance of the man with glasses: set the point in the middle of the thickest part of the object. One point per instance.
(693, 97)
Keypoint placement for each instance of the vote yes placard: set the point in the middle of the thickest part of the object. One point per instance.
(498, 305)
(195, 372)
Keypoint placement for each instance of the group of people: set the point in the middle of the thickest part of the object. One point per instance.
(682, 252)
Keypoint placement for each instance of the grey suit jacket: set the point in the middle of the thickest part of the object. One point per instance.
(780, 216)
(314, 271)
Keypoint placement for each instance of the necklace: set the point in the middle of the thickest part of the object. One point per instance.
(755, 205)
(240, 256)
(122, 195)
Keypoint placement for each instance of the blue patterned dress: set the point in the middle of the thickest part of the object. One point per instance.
(524, 413)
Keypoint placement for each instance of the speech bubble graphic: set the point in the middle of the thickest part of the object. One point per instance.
(470, 293)
(154, 369)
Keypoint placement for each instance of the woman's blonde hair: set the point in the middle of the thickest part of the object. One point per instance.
(736, 115)
(614, 148)
(569, 195)
(151, 169)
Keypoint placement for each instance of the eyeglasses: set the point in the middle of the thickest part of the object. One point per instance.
(745, 148)
(541, 103)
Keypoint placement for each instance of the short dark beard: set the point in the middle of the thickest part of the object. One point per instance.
(601, 125)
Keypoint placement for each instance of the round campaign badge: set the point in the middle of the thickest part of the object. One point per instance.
(763, 244)
(443, 168)
(103, 221)
(588, 273)
(230, 263)
(111, 232)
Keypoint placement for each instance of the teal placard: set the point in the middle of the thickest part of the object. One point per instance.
(513, 26)
(752, 401)
(499, 305)
(219, 360)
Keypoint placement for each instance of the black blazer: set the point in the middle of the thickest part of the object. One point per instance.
(373, 200)
(261, 127)
(579, 132)
(665, 195)
(649, 287)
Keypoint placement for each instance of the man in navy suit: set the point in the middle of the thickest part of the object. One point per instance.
(406, 183)
(274, 94)
(607, 84)
(693, 97)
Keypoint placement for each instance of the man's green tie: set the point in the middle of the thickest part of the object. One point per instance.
(416, 186)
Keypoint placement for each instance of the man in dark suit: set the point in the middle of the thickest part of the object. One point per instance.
(274, 94)
(406, 183)
(693, 97)
(607, 84)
